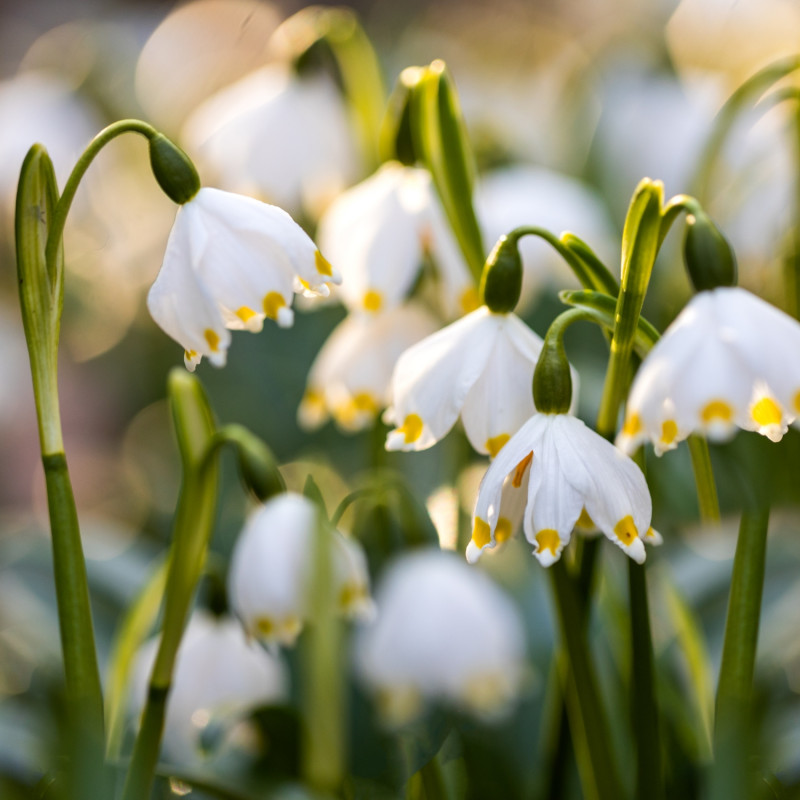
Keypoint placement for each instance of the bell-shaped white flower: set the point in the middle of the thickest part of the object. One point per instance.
(377, 232)
(278, 136)
(219, 675)
(230, 262)
(350, 376)
(480, 367)
(729, 359)
(568, 475)
(443, 632)
(269, 583)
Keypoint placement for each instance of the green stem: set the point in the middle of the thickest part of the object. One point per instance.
(59, 216)
(741, 627)
(644, 704)
(586, 714)
(194, 521)
(704, 479)
(433, 780)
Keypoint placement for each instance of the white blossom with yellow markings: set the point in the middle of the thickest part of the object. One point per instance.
(729, 360)
(479, 367)
(377, 234)
(444, 633)
(568, 476)
(231, 261)
(349, 379)
(269, 583)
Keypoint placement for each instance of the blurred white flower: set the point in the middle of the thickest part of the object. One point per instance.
(729, 359)
(525, 195)
(269, 580)
(41, 108)
(276, 135)
(219, 674)
(376, 234)
(350, 376)
(230, 262)
(480, 367)
(568, 474)
(444, 632)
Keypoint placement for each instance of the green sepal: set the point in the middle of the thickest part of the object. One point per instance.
(173, 169)
(501, 281)
(441, 137)
(708, 255)
(257, 463)
(552, 382)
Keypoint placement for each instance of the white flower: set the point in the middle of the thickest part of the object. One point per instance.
(376, 234)
(525, 195)
(444, 632)
(350, 376)
(568, 475)
(729, 359)
(480, 367)
(218, 673)
(276, 135)
(230, 262)
(270, 573)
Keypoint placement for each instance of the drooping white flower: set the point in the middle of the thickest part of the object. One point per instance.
(219, 674)
(479, 367)
(269, 583)
(569, 475)
(518, 195)
(230, 262)
(276, 135)
(443, 632)
(376, 234)
(729, 360)
(350, 376)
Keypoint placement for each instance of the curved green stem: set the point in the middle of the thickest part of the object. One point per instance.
(59, 217)
(704, 479)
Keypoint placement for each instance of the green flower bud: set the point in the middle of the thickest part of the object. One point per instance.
(173, 169)
(709, 258)
(501, 281)
(396, 137)
(258, 468)
(552, 381)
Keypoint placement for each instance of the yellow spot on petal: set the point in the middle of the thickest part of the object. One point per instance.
(411, 428)
(585, 522)
(519, 472)
(481, 533)
(633, 425)
(669, 430)
(626, 530)
(650, 533)
(273, 303)
(502, 533)
(495, 443)
(484, 693)
(767, 412)
(797, 402)
(322, 264)
(717, 409)
(245, 313)
(305, 284)
(314, 397)
(212, 337)
(289, 629)
(351, 410)
(469, 300)
(190, 354)
(372, 300)
(548, 539)
(364, 401)
(265, 626)
(350, 595)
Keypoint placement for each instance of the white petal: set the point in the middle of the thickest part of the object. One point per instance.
(432, 379)
(501, 400)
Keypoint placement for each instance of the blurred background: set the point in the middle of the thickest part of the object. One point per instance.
(567, 105)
